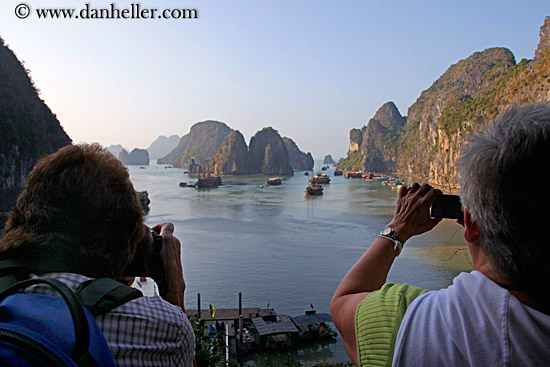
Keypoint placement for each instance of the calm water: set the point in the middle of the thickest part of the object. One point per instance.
(277, 246)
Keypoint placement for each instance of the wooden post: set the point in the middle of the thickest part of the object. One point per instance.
(199, 305)
(241, 316)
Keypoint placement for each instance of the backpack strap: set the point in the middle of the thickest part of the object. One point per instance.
(80, 354)
(98, 295)
(11, 271)
(104, 294)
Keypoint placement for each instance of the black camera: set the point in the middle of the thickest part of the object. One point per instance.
(447, 206)
(154, 267)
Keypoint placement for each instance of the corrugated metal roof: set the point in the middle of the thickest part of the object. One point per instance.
(285, 325)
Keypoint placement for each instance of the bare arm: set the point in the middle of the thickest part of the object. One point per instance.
(171, 258)
(371, 270)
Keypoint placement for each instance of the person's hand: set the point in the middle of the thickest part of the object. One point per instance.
(171, 259)
(412, 212)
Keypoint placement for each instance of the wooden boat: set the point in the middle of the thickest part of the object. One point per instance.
(209, 182)
(320, 179)
(354, 174)
(338, 172)
(274, 181)
(206, 180)
(314, 190)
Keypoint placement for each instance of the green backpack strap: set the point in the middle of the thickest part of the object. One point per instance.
(104, 294)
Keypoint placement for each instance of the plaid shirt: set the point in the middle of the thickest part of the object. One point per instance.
(147, 331)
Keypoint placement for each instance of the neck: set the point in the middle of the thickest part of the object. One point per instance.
(537, 302)
(483, 264)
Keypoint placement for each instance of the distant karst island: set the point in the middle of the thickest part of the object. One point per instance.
(214, 144)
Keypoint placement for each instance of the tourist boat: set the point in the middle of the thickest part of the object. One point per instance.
(314, 327)
(274, 181)
(354, 174)
(206, 180)
(314, 190)
(338, 172)
(320, 179)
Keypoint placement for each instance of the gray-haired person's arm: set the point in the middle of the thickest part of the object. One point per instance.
(412, 217)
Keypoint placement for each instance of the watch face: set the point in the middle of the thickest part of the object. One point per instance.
(386, 231)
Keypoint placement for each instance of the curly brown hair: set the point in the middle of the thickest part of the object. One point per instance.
(79, 203)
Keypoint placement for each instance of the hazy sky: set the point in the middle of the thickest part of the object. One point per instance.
(311, 69)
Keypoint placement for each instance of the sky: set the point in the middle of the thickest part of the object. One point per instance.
(313, 70)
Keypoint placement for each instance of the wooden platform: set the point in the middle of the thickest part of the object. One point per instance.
(223, 314)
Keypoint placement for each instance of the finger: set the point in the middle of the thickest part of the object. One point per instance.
(164, 229)
(415, 186)
(432, 194)
(423, 189)
(403, 191)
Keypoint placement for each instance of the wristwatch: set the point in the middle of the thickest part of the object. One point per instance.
(393, 236)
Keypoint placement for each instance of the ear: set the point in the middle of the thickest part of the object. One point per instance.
(471, 234)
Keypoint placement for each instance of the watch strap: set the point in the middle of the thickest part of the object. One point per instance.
(394, 237)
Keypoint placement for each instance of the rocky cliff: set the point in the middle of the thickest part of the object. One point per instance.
(463, 100)
(268, 153)
(374, 147)
(138, 157)
(162, 146)
(212, 143)
(233, 158)
(28, 128)
(298, 159)
(173, 156)
(201, 145)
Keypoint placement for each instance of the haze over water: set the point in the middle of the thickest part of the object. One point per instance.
(277, 246)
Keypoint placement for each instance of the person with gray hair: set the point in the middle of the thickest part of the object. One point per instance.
(496, 315)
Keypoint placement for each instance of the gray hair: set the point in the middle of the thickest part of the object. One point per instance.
(503, 174)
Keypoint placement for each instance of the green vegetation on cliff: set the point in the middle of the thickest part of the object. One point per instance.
(468, 96)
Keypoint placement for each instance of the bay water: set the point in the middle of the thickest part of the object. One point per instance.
(286, 250)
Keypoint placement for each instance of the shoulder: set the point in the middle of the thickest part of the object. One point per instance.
(149, 329)
(445, 324)
(152, 310)
(378, 318)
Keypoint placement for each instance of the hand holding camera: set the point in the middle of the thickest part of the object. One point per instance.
(159, 256)
(412, 212)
